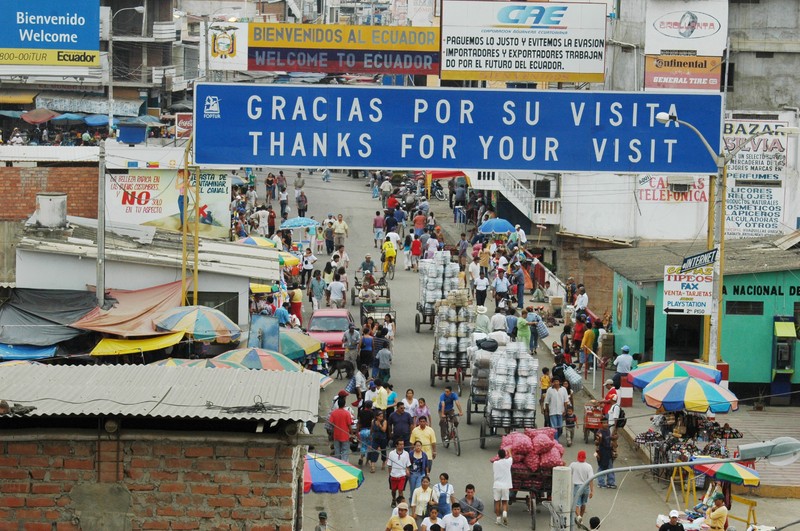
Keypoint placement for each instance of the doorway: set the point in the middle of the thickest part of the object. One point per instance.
(649, 325)
(684, 333)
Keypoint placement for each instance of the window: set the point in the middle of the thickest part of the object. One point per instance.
(797, 317)
(726, 75)
(629, 315)
(227, 303)
(744, 307)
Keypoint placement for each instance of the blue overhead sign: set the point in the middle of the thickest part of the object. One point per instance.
(442, 128)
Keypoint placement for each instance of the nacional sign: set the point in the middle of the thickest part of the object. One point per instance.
(439, 128)
(689, 292)
(50, 33)
(339, 48)
(503, 41)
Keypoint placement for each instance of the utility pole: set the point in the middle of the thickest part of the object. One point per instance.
(101, 226)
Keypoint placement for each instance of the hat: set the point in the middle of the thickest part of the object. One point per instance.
(516, 226)
(626, 348)
(323, 515)
(718, 496)
(609, 382)
(372, 384)
(342, 393)
(481, 309)
(351, 325)
(367, 255)
(674, 514)
(403, 505)
(581, 456)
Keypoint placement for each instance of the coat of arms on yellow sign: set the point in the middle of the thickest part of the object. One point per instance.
(223, 42)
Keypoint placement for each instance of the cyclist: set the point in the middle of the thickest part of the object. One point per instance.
(367, 266)
(448, 403)
(389, 255)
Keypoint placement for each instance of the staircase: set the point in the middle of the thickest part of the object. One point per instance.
(540, 210)
(295, 8)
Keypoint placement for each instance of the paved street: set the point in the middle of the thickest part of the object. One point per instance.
(633, 506)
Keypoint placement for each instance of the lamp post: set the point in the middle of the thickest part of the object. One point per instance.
(716, 225)
(781, 451)
(207, 29)
(138, 9)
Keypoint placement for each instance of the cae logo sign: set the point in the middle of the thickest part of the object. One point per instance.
(538, 15)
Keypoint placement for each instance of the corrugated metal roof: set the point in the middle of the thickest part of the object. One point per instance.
(161, 392)
(646, 264)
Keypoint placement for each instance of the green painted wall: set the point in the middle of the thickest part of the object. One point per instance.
(746, 339)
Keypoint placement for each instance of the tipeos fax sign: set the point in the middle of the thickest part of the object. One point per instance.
(48, 32)
(426, 128)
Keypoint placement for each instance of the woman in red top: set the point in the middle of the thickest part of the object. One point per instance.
(577, 333)
(416, 252)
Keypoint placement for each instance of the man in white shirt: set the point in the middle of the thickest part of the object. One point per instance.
(338, 292)
(623, 363)
(395, 239)
(555, 402)
(582, 301)
(521, 236)
(498, 321)
(399, 469)
(481, 288)
(581, 473)
(501, 470)
(474, 271)
(455, 521)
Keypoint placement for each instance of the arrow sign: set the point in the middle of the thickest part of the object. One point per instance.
(674, 310)
(699, 260)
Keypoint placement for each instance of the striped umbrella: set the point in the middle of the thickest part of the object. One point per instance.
(328, 474)
(213, 364)
(171, 362)
(263, 359)
(200, 322)
(650, 372)
(691, 394)
(736, 473)
(297, 345)
(287, 259)
(258, 241)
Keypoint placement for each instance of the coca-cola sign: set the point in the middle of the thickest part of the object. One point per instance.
(184, 124)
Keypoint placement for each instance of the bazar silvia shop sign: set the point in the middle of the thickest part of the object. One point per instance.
(369, 127)
(338, 48)
(50, 33)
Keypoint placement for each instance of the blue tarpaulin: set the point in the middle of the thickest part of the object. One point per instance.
(25, 352)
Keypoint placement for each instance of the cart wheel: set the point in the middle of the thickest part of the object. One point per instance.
(352, 296)
(433, 374)
(459, 381)
(484, 429)
(469, 411)
(388, 294)
(416, 323)
(533, 511)
(585, 435)
(457, 443)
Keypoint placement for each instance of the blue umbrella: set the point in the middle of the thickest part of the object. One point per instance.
(96, 120)
(71, 117)
(11, 114)
(146, 120)
(299, 223)
(496, 226)
(237, 181)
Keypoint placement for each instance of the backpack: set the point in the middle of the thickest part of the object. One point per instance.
(621, 420)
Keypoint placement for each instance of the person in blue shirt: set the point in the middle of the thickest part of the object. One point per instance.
(519, 280)
(282, 314)
(448, 402)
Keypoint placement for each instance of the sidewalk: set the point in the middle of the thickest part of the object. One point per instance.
(776, 482)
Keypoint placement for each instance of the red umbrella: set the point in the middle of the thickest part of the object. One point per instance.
(38, 116)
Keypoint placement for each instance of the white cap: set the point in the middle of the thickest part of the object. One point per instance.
(674, 514)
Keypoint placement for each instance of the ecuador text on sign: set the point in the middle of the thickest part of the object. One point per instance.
(689, 292)
(368, 127)
(50, 33)
(523, 41)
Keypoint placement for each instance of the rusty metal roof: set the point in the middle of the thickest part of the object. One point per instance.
(162, 392)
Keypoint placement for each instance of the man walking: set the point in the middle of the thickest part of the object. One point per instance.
(299, 183)
(337, 292)
(605, 448)
(302, 204)
(500, 286)
(472, 508)
(342, 422)
(501, 488)
(340, 230)
(555, 402)
(316, 290)
(581, 473)
(399, 469)
(427, 437)
(351, 341)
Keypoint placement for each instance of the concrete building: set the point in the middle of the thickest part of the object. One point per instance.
(760, 312)
(144, 447)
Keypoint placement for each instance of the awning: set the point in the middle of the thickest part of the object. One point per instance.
(450, 174)
(25, 352)
(783, 329)
(85, 103)
(20, 97)
(114, 347)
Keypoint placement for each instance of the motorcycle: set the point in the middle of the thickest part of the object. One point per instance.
(438, 191)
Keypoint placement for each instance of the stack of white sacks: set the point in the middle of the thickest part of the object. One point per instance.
(437, 277)
(453, 328)
(508, 378)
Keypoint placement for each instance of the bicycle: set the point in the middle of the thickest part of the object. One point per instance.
(388, 268)
(450, 432)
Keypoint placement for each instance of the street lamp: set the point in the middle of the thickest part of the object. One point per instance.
(781, 451)
(721, 160)
(140, 10)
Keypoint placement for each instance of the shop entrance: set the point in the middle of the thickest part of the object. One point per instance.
(684, 334)
(649, 325)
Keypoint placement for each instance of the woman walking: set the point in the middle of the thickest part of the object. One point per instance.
(419, 466)
(421, 498)
(378, 441)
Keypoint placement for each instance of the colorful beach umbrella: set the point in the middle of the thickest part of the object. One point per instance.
(322, 473)
(297, 345)
(650, 372)
(258, 241)
(212, 363)
(258, 358)
(736, 473)
(496, 226)
(287, 259)
(299, 223)
(691, 394)
(38, 116)
(171, 362)
(201, 322)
